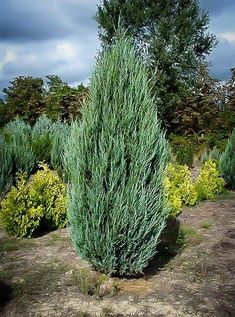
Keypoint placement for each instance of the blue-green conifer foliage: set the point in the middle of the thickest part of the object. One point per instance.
(115, 160)
(228, 162)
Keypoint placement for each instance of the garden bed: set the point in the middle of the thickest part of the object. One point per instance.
(42, 276)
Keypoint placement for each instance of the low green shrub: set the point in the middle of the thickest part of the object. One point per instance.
(48, 189)
(217, 139)
(183, 148)
(228, 162)
(176, 141)
(179, 188)
(209, 181)
(28, 206)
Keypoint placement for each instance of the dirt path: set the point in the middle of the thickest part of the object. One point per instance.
(42, 274)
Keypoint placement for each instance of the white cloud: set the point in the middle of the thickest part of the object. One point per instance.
(9, 57)
(66, 50)
(71, 59)
(228, 36)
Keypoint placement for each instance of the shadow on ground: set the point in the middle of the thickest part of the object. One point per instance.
(5, 294)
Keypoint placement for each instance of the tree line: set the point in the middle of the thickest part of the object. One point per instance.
(29, 98)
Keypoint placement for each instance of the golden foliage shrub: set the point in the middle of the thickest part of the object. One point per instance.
(40, 202)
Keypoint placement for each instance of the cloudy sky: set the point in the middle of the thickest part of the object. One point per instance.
(38, 38)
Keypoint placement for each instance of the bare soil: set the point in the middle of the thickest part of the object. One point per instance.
(40, 277)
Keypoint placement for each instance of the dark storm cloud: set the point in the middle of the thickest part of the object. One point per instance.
(31, 20)
(222, 24)
(28, 20)
(222, 59)
(44, 37)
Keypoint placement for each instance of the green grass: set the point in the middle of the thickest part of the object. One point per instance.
(34, 279)
(205, 225)
(42, 278)
(92, 285)
(56, 238)
(189, 236)
(6, 275)
(14, 244)
(225, 195)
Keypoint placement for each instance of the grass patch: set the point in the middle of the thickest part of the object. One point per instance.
(41, 278)
(26, 281)
(189, 236)
(93, 285)
(6, 275)
(225, 195)
(205, 225)
(56, 238)
(14, 244)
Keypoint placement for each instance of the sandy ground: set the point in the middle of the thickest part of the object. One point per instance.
(40, 277)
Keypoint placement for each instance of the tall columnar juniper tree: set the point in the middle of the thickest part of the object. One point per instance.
(115, 161)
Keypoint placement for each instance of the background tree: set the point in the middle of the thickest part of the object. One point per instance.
(73, 102)
(25, 98)
(229, 110)
(55, 90)
(203, 110)
(64, 101)
(28, 98)
(3, 113)
(172, 37)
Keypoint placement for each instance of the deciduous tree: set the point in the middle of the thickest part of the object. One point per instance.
(171, 36)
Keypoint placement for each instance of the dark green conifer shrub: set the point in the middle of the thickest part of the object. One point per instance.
(6, 163)
(115, 161)
(185, 154)
(61, 132)
(228, 161)
(42, 139)
(215, 154)
(19, 134)
(204, 156)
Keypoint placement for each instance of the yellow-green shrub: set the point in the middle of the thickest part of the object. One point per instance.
(173, 197)
(31, 205)
(48, 190)
(18, 216)
(209, 181)
(179, 187)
